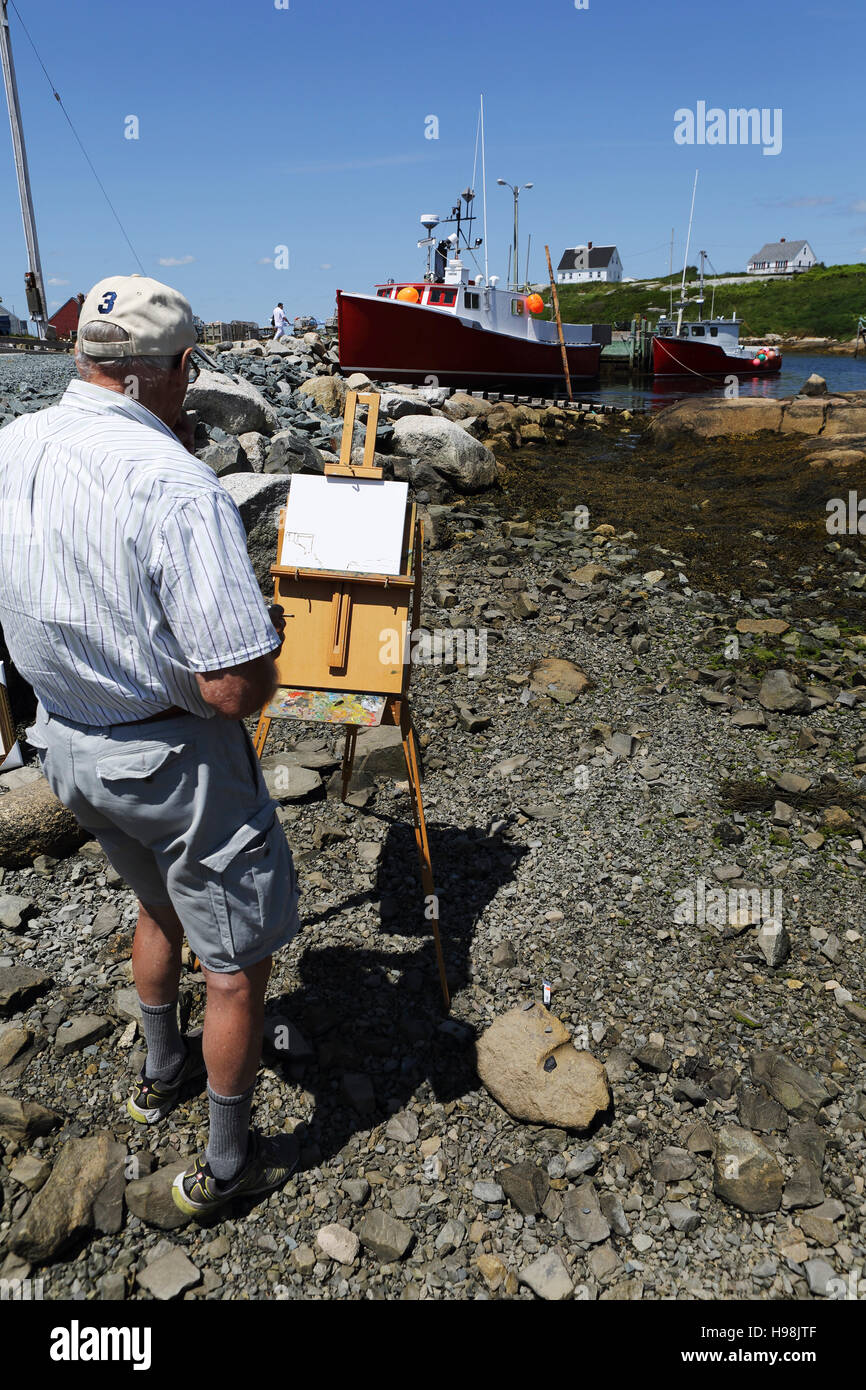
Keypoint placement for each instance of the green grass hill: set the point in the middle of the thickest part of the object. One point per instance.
(821, 303)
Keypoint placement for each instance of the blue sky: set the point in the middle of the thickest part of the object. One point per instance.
(304, 127)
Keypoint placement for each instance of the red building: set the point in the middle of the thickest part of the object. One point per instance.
(66, 319)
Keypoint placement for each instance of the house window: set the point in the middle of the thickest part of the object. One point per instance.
(438, 296)
(714, 332)
(517, 306)
(384, 294)
(697, 330)
(472, 301)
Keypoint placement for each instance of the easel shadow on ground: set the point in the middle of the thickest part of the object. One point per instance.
(379, 1012)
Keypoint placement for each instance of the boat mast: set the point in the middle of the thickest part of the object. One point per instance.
(33, 279)
(683, 300)
(484, 192)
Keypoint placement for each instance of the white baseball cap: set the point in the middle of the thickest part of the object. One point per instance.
(157, 319)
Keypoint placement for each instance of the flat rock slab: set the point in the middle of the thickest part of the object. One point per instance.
(169, 1276)
(801, 1094)
(745, 1172)
(384, 1236)
(561, 680)
(33, 822)
(83, 1030)
(583, 1217)
(513, 1058)
(548, 1277)
(64, 1207)
(773, 627)
(19, 986)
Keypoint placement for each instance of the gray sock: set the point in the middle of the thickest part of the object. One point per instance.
(166, 1049)
(229, 1133)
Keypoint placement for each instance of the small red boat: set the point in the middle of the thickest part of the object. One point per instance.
(707, 347)
(453, 328)
(710, 348)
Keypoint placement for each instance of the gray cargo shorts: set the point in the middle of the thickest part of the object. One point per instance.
(182, 811)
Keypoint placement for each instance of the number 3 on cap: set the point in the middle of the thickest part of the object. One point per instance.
(107, 302)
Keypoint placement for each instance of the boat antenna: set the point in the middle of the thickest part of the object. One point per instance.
(508, 269)
(528, 244)
(484, 188)
(682, 302)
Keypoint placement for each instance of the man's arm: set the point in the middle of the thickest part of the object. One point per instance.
(241, 690)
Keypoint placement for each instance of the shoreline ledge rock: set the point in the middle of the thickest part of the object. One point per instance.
(513, 1059)
(707, 417)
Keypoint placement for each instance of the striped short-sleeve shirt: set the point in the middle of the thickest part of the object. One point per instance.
(123, 562)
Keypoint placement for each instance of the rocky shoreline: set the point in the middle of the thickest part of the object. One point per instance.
(646, 792)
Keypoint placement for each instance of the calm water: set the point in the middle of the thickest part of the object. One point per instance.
(840, 373)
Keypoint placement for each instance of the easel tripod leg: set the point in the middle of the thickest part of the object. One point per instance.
(261, 737)
(348, 758)
(430, 899)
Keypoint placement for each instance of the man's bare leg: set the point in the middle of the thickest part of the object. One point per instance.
(233, 1022)
(156, 970)
(156, 954)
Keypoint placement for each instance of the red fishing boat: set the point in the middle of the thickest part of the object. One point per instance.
(707, 347)
(457, 328)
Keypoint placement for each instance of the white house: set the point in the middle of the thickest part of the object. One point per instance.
(581, 263)
(782, 258)
(15, 325)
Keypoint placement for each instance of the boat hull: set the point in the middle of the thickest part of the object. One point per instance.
(411, 343)
(685, 357)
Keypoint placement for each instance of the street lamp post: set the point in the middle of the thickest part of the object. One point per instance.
(516, 190)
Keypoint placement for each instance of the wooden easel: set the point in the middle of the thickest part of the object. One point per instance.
(334, 622)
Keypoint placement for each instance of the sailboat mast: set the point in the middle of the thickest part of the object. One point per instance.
(33, 281)
(686, 261)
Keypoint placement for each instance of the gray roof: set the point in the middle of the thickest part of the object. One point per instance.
(778, 251)
(596, 258)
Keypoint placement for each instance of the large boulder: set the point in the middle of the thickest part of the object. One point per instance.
(258, 498)
(328, 392)
(235, 406)
(456, 457)
(32, 822)
(529, 1063)
(291, 452)
(462, 406)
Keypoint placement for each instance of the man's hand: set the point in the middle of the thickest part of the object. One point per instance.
(184, 429)
(277, 615)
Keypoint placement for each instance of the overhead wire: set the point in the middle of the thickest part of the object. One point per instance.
(59, 100)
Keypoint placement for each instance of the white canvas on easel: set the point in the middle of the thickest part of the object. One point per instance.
(348, 524)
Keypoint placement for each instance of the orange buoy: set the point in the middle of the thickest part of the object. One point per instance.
(409, 294)
(535, 304)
